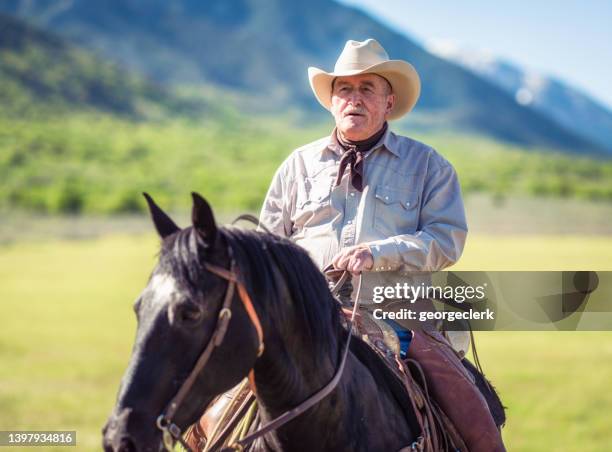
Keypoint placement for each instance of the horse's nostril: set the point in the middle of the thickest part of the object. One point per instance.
(126, 445)
(106, 439)
(108, 445)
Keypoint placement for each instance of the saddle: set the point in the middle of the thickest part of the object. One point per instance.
(431, 368)
(438, 355)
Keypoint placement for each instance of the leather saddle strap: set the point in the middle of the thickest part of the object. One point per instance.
(419, 407)
(218, 437)
(437, 419)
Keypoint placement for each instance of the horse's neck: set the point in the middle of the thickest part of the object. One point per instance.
(285, 376)
(291, 369)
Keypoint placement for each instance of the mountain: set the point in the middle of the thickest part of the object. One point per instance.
(41, 73)
(570, 107)
(262, 48)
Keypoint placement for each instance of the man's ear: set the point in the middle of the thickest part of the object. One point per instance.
(390, 102)
(203, 219)
(163, 224)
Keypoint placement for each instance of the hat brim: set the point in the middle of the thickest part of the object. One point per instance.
(402, 76)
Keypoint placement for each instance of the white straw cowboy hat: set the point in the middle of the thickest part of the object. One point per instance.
(369, 57)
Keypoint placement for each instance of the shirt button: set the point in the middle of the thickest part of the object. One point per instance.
(386, 198)
(407, 203)
(352, 194)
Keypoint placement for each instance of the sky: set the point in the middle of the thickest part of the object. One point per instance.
(567, 39)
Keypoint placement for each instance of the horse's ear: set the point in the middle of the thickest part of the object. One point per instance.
(164, 225)
(203, 219)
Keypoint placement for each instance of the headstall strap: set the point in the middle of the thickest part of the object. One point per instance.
(171, 432)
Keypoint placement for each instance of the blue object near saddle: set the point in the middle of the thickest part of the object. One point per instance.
(404, 336)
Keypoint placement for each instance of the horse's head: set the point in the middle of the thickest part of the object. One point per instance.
(178, 312)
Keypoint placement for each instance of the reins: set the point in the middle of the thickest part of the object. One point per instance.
(172, 432)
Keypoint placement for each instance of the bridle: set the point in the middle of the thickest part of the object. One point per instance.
(172, 433)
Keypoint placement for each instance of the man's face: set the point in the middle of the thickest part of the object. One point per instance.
(360, 105)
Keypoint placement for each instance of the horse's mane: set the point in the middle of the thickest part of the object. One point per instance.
(260, 258)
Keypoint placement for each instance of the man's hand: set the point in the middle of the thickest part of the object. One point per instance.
(355, 259)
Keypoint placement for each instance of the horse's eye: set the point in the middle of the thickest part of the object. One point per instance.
(190, 314)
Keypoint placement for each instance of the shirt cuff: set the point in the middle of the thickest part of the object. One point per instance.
(385, 255)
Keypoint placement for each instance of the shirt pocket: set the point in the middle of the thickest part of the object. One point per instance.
(313, 202)
(396, 210)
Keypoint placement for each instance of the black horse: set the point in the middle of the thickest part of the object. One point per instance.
(303, 335)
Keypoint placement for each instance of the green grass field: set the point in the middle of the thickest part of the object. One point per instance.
(68, 326)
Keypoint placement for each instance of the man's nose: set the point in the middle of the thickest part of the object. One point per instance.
(355, 98)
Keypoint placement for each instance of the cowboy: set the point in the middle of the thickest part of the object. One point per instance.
(364, 198)
(376, 203)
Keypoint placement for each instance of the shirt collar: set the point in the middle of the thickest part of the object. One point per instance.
(388, 142)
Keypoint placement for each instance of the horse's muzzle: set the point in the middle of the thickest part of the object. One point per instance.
(125, 432)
